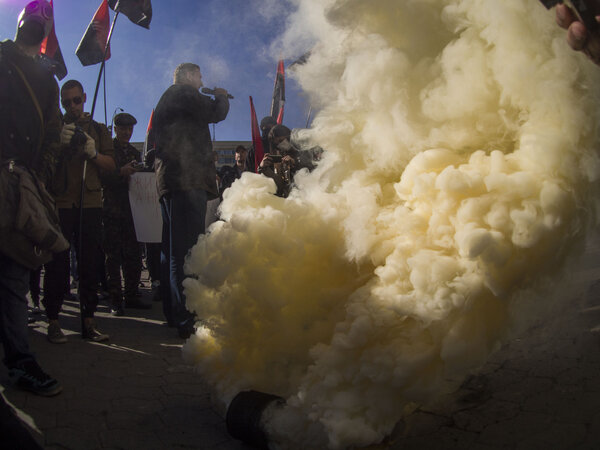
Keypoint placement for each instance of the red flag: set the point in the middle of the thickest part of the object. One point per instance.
(91, 47)
(150, 142)
(138, 11)
(51, 54)
(259, 152)
(278, 94)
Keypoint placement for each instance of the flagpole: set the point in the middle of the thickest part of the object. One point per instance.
(308, 116)
(112, 26)
(82, 194)
(104, 89)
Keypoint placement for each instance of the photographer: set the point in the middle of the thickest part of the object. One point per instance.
(283, 160)
(29, 136)
(86, 150)
(120, 242)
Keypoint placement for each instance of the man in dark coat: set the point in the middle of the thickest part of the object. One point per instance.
(30, 133)
(185, 174)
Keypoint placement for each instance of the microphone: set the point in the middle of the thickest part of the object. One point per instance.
(210, 91)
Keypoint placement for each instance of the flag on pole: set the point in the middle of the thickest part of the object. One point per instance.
(259, 152)
(51, 54)
(91, 47)
(138, 11)
(278, 94)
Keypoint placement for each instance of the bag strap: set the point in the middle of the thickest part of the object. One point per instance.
(35, 102)
(31, 93)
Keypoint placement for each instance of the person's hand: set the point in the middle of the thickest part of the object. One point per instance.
(89, 149)
(288, 160)
(266, 161)
(578, 36)
(67, 132)
(128, 169)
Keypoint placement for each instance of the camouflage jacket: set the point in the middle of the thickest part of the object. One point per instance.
(66, 183)
(115, 186)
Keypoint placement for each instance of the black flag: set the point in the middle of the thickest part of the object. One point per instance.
(138, 11)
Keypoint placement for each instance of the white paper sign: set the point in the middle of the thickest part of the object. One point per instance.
(145, 207)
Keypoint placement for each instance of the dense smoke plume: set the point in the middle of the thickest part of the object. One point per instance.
(459, 176)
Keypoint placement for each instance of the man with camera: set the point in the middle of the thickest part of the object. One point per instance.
(283, 160)
(86, 150)
(185, 175)
(30, 128)
(120, 242)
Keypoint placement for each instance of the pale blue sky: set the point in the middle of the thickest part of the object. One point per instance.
(231, 40)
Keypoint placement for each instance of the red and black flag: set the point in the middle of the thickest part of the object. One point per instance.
(51, 54)
(278, 94)
(91, 48)
(138, 11)
(259, 152)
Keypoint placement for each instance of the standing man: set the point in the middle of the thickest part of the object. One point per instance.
(91, 150)
(185, 175)
(30, 128)
(120, 242)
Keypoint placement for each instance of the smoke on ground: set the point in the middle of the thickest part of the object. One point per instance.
(459, 177)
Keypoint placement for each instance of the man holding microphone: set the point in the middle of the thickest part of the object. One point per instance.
(186, 177)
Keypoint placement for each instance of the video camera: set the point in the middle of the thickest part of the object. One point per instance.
(78, 139)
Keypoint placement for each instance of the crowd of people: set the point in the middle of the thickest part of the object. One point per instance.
(74, 159)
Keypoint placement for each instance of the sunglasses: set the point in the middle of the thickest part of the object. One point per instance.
(67, 102)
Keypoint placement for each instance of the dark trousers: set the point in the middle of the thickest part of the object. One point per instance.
(122, 252)
(14, 284)
(184, 213)
(34, 285)
(56, 276)
(153, 260)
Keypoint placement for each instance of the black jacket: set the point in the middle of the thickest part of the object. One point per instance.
(22, 134)
(184, 158)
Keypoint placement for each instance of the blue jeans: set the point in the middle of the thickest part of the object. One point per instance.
(184, 213)
(14, 285)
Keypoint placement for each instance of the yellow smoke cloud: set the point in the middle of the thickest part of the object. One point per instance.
(460, 172)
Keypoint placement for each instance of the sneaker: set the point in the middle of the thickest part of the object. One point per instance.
(29, 376)
(91, 333)
(55, 334)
